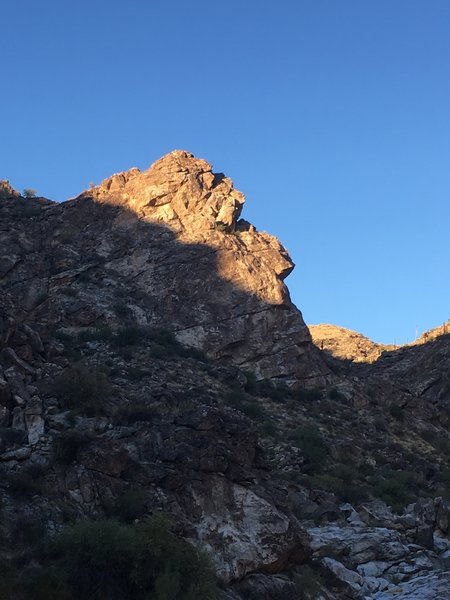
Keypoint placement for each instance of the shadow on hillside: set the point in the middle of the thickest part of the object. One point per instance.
(110, 259)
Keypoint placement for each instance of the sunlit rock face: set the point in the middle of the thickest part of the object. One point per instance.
(169, 245)
(212, 278)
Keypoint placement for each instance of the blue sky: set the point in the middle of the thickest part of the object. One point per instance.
(332, 116)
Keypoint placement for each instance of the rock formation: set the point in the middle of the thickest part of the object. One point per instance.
(142, 327)
(172, 237)
(346, 344)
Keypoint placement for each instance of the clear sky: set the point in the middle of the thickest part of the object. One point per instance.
(332, 116)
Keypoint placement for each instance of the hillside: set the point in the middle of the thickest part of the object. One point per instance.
(346, 344)
(160, 392)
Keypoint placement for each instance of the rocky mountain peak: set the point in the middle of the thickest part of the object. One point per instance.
(6, 190)
(179, 190)
(171, 237)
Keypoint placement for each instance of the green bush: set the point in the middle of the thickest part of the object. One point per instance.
(129, 506)
(104, 559)
(314, 450)
(82, 388)
(245, 404)
(396, 488)
(29, 193)
(345, 488)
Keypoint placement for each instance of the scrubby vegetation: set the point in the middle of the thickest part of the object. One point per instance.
(110, 560)
(82, 388)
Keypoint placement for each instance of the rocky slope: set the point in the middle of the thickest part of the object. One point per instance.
(142, 328)
(346, 344)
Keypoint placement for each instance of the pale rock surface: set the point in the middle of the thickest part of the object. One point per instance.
(243, 531)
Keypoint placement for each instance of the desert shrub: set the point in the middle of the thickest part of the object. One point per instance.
(442, 444)
(63, 336)
(308, 582)
(342, 485)
(314, 450)
(179, 571)
(106, 559)
(135, 411)
(129, 506)
(252, 383)
(66, 446)
(252, 409)
(191, 352)
(245, 404)
(235, 398)
(129, 336)
(29, 193)
(82, 388)
(396, 411)
(267, 388)
(366, 469)
(269, 428)
(160, 343)
(306, 395)
(396, 488)
(335, 394)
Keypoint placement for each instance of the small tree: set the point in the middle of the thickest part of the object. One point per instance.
(29, 193)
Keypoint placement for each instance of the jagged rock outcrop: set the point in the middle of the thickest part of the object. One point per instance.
(220, 283)
(172, 240)
(6, 190)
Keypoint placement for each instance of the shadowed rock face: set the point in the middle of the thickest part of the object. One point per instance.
(215, 280)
